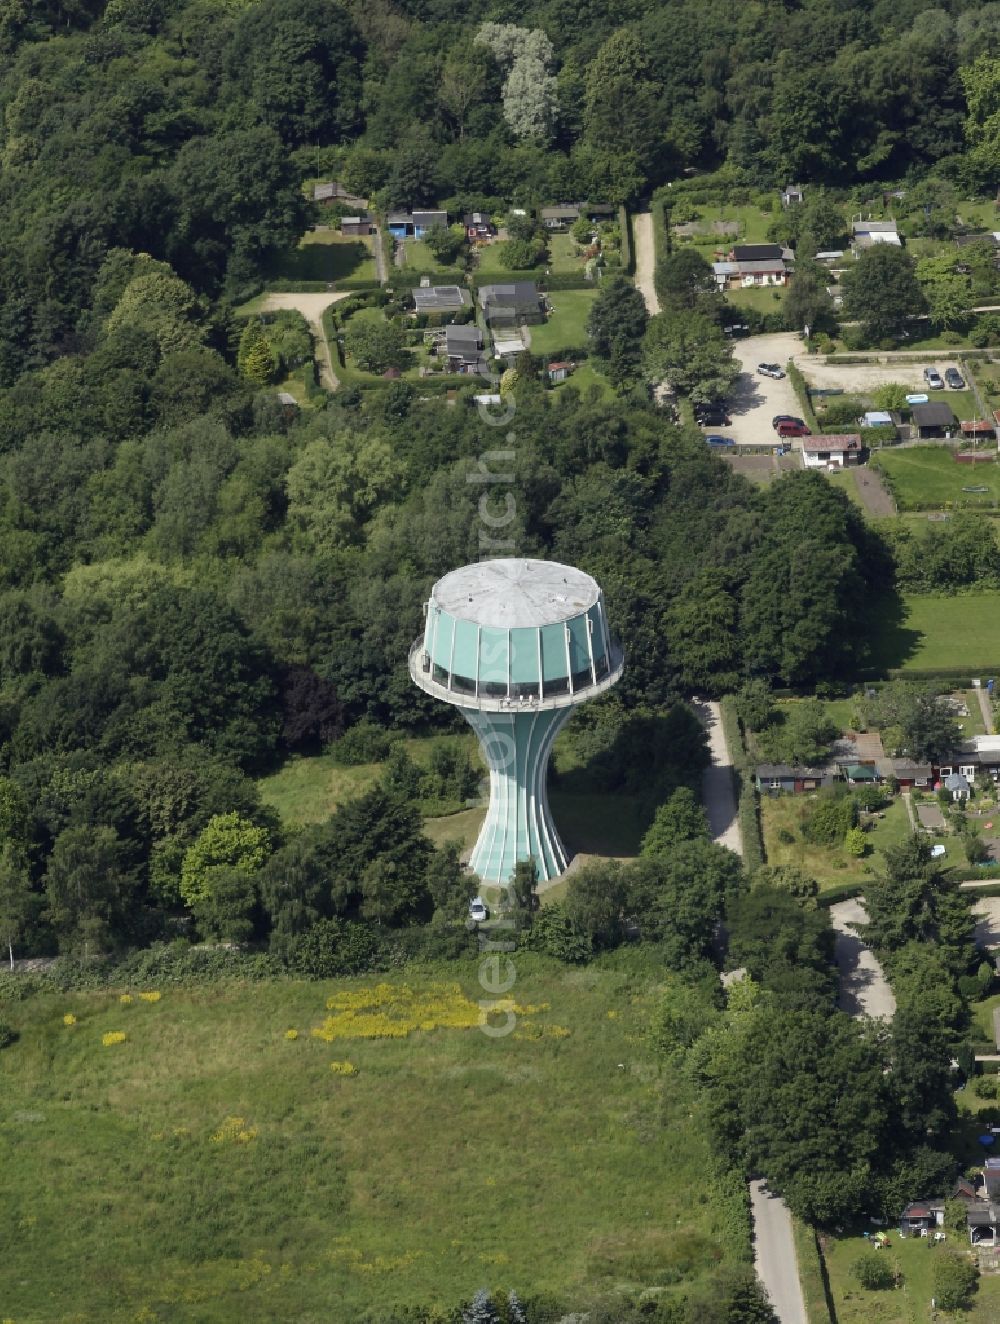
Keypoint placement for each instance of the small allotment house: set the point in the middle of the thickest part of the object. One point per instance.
(776, 778)
(832, 451)
(414, 225)
(934, 419)
(512, 304)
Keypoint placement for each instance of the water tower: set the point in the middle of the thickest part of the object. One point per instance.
(515, 645)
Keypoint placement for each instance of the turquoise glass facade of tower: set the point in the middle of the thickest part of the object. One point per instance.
(516, 645)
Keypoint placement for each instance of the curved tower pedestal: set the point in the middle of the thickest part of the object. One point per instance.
(519, 826)
(516, 646)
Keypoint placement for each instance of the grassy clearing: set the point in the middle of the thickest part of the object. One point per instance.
(586, 376)
(831, 866)
(941, 633)
(753, 224)
(908, 1304)
(418, 257)
(308, 790)
(566, 325)
(764, 299)
(930, 476)
(565, 254)
(328, 256)
(412, 1181)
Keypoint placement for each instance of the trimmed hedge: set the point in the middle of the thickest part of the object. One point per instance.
(402, 278)
(557, 280)
(802, 393)
(628, 255)
(842, 892)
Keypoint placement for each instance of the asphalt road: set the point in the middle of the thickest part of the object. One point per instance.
(864, 989)
(774, 1255)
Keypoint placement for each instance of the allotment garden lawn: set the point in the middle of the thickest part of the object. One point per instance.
(239, 1175)
(566, 325)
(941, 633)
(927, 477)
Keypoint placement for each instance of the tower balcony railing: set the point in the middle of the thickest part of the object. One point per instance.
(422, 672)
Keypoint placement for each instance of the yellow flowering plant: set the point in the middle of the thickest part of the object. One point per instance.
(343, 1068)
(291, 1034)
(153, 996)
(234, 1131)
(69, 1019)
(113, 1037)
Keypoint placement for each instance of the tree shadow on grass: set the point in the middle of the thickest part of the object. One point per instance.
(891, 642)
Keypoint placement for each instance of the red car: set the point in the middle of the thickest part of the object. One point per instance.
(788, 428)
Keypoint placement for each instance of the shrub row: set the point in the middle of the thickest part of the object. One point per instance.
(625, 226)
(842, 892)
(802, 394)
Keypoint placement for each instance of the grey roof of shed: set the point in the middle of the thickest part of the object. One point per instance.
(517, 294)
(934, 415)
(468, 337)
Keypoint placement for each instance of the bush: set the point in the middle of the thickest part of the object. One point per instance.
(954, 1281)
(988, 1087)
(7, 1035)
(363, 743)
(855, 843)
(874, 1271)
(332, 948)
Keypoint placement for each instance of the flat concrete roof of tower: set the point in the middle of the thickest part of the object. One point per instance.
(514, 593)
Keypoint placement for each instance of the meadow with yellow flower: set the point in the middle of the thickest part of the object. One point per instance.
(258, 1151)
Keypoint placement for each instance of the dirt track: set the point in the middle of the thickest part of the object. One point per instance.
(645, 259)
(312, 307)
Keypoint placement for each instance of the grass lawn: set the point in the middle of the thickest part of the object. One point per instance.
(327, 255)
(846, 481)
(923, 476)
(831, 866)
(910, 1303)
(418, 257)
(308, 790)
(211, 1169)
(565, 254)
(938, 632)
(753, 224)
(566, 326)
(766, 299)
(585, 376)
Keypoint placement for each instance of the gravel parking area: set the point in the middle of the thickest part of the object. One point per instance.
(754, 399)
(987, 913)
(860, 377)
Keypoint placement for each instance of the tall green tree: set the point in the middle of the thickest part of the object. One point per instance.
(882, 292)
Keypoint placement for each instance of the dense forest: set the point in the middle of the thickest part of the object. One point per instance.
(194, 584)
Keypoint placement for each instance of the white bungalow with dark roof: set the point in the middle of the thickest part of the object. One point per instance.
(821, 452)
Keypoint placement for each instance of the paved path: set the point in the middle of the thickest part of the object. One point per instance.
(717, 784)
(908, 802)
(864, 989)
(774, 1255)
(381, 274)
(645, 259)
(312, 308)
(985, 707)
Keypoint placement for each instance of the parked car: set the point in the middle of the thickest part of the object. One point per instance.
(770, 370)
(713, 415)
(933, 379)
(478, 910)
(714, 439)
(778, 419)
(793, 429)
(954, 379)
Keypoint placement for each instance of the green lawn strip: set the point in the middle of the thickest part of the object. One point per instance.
(394, 1186)
(924, 477)
(753, 223)
(565, 254)
(325, 255)
(810, 1266)
(566, 326)
(418, 257)
(766, 299)
(941, 633)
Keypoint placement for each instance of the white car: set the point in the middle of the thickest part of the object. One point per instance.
(478, 910)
